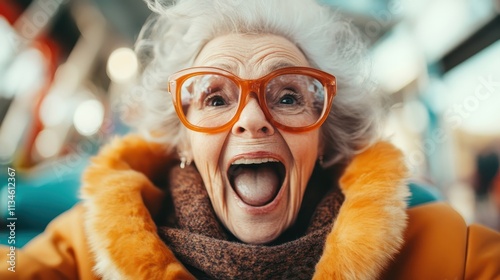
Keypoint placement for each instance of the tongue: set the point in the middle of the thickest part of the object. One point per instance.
(257, 186)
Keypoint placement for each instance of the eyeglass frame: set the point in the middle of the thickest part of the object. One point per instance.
(248, 86)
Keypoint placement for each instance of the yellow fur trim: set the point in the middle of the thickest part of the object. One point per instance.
(119, 199)
(369, 228)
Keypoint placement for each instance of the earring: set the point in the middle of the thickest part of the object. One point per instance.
(184, 162)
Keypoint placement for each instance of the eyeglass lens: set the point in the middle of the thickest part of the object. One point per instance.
(212, 100)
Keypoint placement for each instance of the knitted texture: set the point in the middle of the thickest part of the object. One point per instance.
(209, 251)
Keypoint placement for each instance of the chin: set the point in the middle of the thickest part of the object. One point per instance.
(261, 224)
(258, 234)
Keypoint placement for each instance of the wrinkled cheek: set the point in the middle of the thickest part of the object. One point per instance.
(298, 186)
(214, 186)
(302, 172)
(206, 151)
(217, 194)
(212, 181)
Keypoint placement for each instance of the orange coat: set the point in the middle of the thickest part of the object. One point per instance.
(111, 233)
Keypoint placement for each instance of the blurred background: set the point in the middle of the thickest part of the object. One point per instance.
(65, 63)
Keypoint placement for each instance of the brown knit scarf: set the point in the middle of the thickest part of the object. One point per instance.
(209, 251)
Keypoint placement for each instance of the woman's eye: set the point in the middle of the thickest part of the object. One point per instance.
(291, 96)
(288, 100)
(215, 101)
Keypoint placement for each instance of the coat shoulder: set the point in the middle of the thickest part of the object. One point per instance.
(61, 251)
(438, 245)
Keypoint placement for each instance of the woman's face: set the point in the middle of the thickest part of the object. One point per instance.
(255, 174)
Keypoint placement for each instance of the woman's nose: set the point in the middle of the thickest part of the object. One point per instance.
(252, 121)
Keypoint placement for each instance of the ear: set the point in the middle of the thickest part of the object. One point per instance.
(184, 149)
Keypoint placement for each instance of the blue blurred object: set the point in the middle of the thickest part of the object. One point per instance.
(421, 194)
(39, 198)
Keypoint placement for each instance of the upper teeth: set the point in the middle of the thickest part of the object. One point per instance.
(254, 160)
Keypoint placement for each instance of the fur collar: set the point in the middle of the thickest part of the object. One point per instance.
(120, 200)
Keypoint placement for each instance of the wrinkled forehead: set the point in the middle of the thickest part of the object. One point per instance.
(250, 56)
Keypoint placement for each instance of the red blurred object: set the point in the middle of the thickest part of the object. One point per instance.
(50, 51)
(10, 11)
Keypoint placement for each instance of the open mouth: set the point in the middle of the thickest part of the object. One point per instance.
(257, 181)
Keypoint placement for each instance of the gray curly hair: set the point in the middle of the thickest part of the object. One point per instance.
(176, 32)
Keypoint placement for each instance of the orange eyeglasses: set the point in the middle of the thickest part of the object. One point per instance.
(210, 100)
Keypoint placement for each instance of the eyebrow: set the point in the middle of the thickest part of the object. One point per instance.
(279, 65)
(225, 66)
(270, 68)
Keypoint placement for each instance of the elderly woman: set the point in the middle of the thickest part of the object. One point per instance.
(258, 158)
